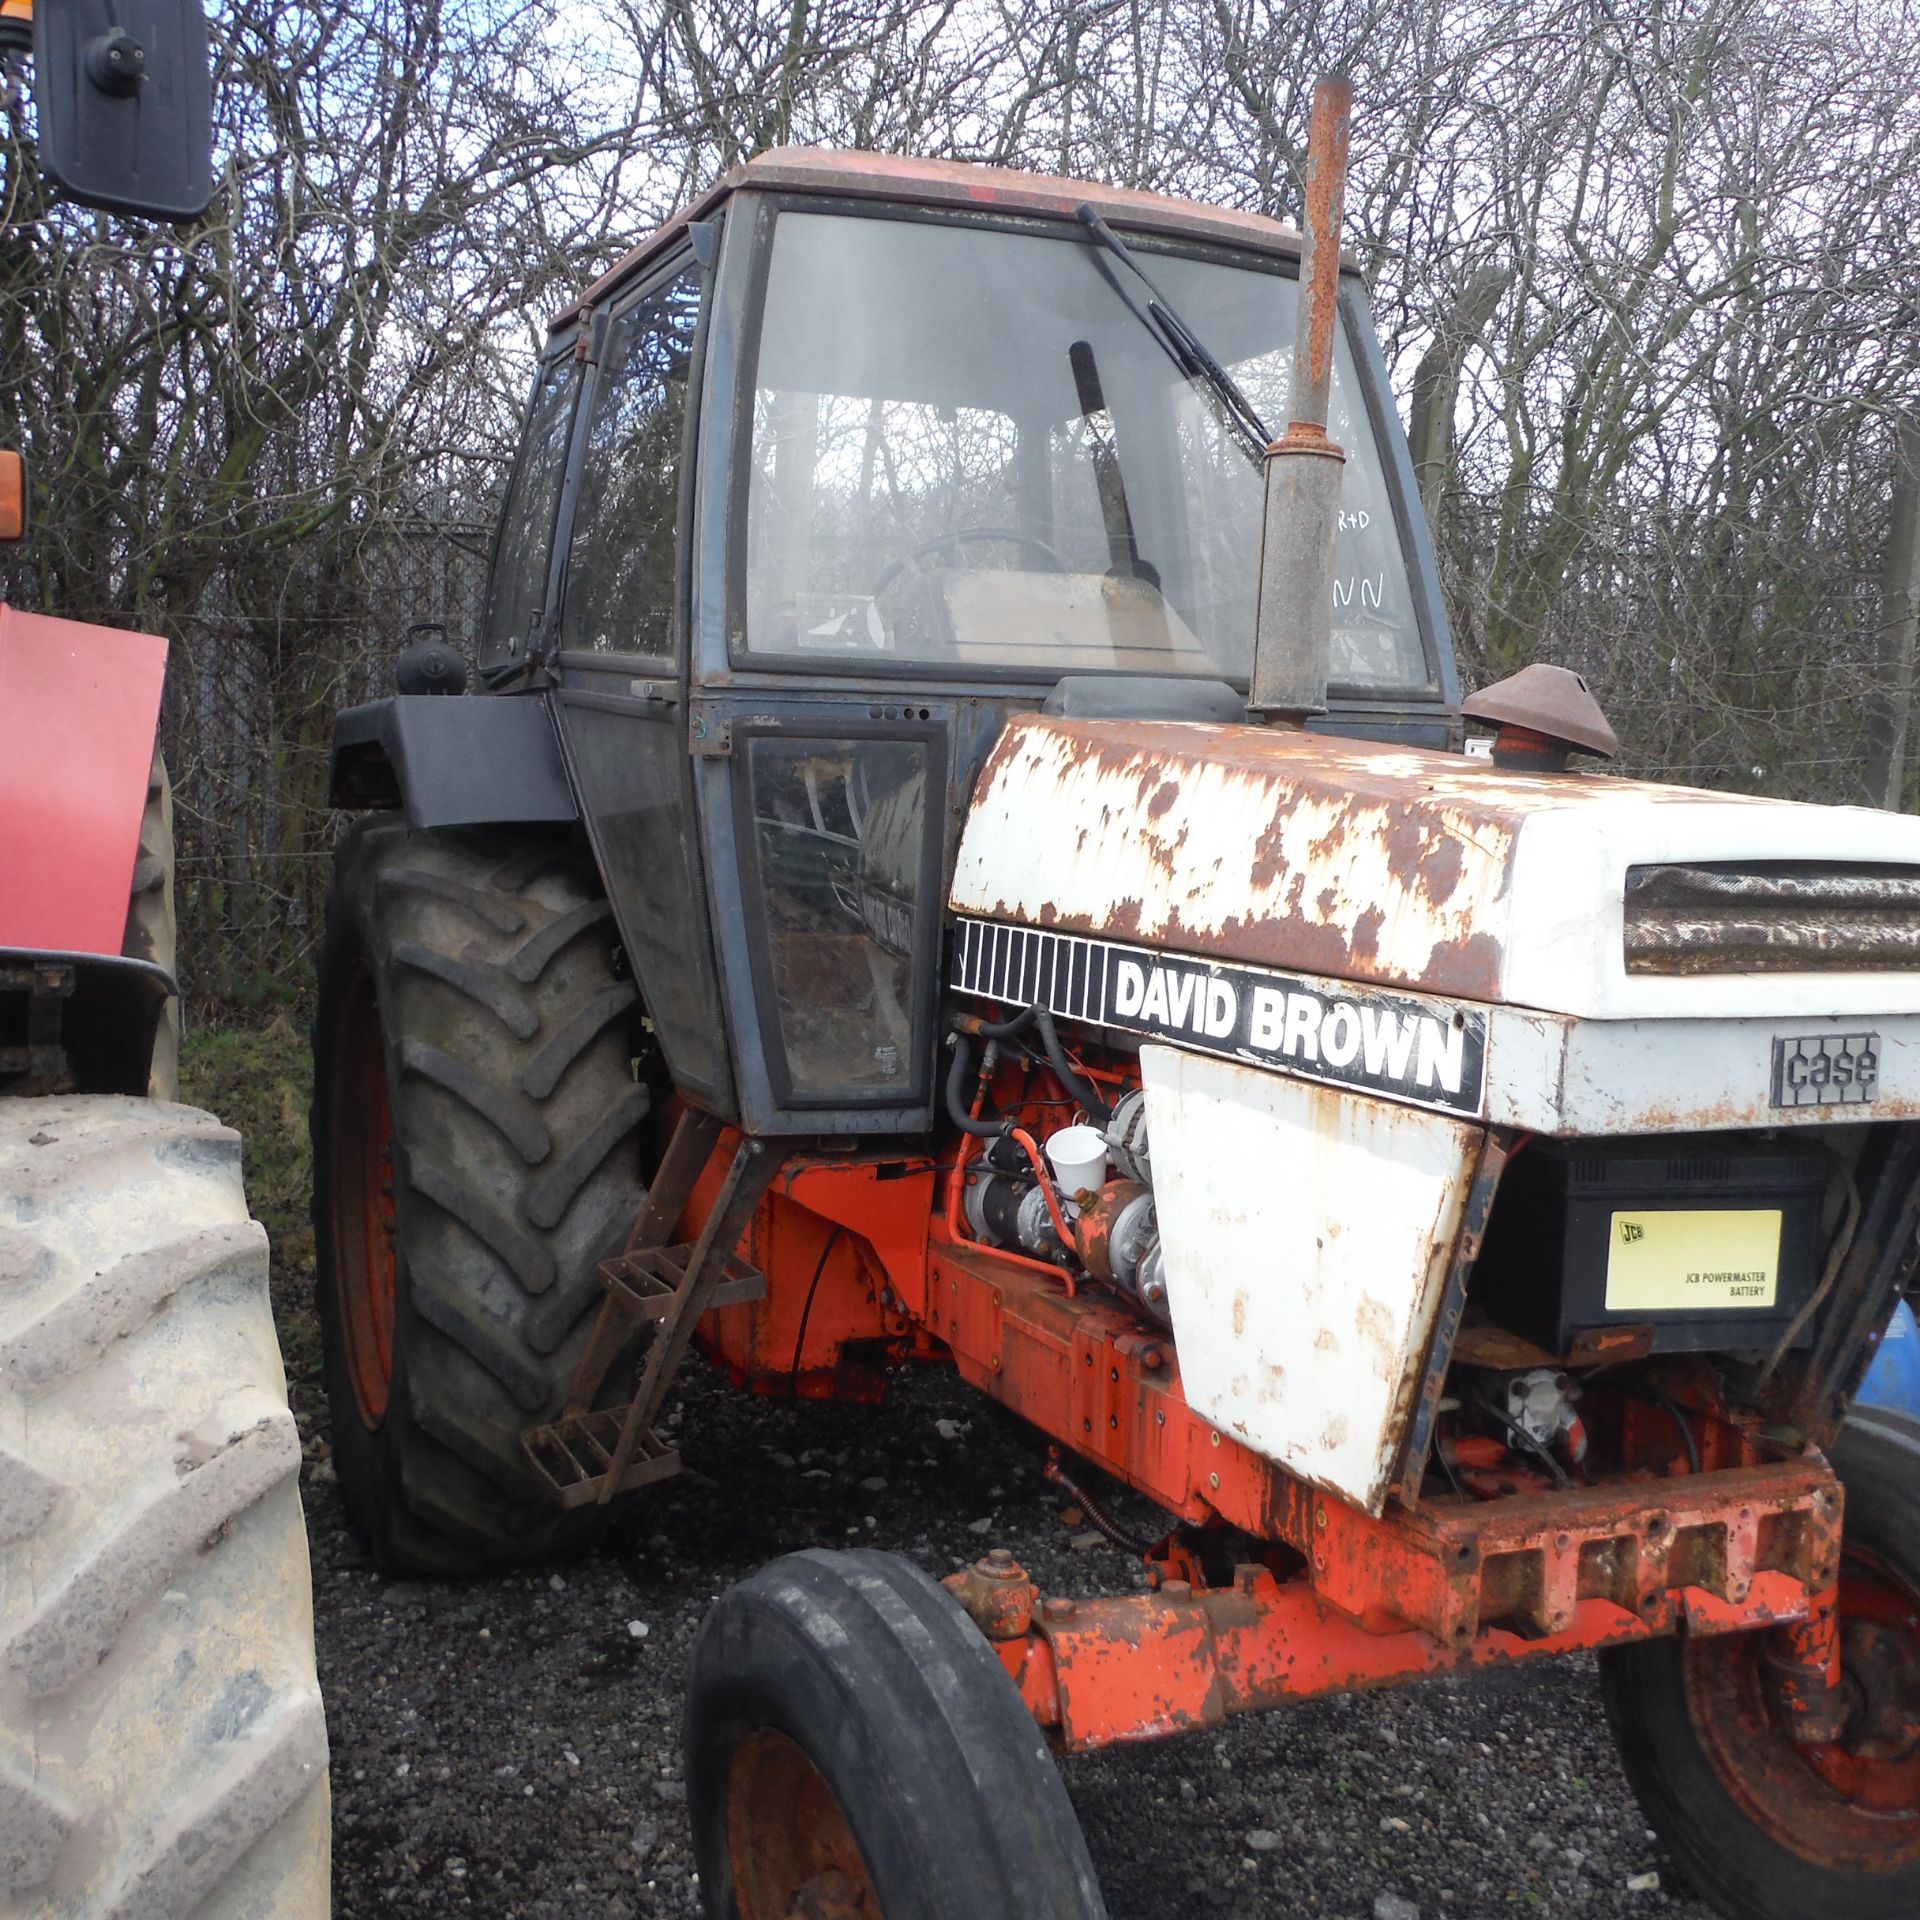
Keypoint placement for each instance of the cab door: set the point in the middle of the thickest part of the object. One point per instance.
(621, 660)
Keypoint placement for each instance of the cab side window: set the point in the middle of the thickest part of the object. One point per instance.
(620, 593)
(517, 586)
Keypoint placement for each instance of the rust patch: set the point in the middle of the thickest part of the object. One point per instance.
(1269, 860)
(1239, 1316)
(1440, 871)
(1439, 828)
(1364, 944)
(1469, 966)
(1403, 839)
(1323, 846)
(1374, 1324)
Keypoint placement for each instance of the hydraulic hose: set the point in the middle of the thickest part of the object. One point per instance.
(1097, 1517)
(1082, 1090)
(1005, 1029)
(1043, 1177)
(956, 1091)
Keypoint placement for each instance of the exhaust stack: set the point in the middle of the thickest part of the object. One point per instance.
(1293, 619)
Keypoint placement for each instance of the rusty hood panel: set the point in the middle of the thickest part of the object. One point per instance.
(1374, 863)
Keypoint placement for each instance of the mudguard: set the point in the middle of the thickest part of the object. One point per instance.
(78, 708)
(466, 760)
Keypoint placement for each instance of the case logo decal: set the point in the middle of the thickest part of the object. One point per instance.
(1825, 1070)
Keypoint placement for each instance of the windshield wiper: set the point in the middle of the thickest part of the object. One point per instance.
(1184, 347)
(1123, 549)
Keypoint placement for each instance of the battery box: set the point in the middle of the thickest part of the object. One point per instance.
(1709, 1245)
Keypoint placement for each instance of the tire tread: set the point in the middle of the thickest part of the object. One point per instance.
(516, 1123)
(138, 1549)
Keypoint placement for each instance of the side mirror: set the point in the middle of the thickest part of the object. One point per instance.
(125, 104)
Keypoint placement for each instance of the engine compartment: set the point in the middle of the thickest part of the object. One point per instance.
(1631, 1309)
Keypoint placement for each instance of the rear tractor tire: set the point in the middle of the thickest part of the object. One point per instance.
(1766, 1829)
(855, 1747)
(475, 1154)
(162, 1746)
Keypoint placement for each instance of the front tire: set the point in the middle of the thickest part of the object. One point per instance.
(162, 1745)
(1768, 1830)
(476, 1154)
(854, 1745)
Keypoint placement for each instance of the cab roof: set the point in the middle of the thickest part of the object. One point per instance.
(951, 183)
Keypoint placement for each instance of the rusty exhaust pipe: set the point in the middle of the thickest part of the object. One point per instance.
(1293, 617)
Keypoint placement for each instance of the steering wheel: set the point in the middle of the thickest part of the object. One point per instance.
(915, 555)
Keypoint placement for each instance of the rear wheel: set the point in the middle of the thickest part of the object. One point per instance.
(476, 1153)
(1766, 1828)
(162, 1745)
(855, 1751)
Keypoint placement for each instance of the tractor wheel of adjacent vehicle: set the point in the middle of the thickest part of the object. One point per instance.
(162, 1746)
(855, 1748)
(475, 1155)
(1768, 1830)
(152, 932)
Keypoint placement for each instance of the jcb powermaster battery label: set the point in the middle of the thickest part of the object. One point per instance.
(1665, 1262)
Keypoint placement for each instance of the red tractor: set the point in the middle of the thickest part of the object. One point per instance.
(962, 853)
(162, 1745)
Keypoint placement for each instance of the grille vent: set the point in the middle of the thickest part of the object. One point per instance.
(1789, 916)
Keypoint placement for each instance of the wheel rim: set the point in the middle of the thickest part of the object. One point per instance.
(792, 1852)
(1854, 1805)
(361, 1145)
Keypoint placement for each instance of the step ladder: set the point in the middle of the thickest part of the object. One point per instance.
(591, 1453)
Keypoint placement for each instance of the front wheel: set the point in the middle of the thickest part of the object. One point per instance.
(1768, 1829)
(855, 1748)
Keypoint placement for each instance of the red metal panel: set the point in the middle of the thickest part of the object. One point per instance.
(78, 708)
(1109, 1671)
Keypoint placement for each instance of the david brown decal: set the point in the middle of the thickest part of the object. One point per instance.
(1413, 1049)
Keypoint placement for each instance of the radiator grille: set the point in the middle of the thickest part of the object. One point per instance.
(1789, 916)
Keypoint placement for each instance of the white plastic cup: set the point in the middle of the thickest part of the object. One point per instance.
(1078, 1156)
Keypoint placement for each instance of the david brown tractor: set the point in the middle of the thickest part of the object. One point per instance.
(962, 851)
(162, 1745)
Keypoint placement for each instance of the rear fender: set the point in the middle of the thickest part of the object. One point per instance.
(78, 708)
(95, 1027)
(463, 760)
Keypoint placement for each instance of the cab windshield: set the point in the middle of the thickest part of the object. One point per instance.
(970, 450)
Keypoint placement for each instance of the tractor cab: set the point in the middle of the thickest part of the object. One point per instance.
(839, 470)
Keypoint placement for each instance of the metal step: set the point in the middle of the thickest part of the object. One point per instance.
(645, 1283)
(573, 1455)
(592, 1453)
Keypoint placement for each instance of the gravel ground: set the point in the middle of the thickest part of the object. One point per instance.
(511, 1746)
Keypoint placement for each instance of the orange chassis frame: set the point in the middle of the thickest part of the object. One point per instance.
(865, 1266)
